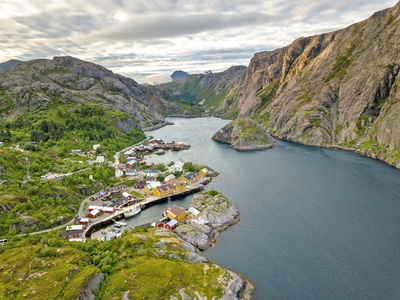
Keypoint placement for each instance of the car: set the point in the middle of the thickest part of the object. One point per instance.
(117, 225)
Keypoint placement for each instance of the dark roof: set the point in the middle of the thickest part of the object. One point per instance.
(119, 201)
(71, 232)
(176, 210)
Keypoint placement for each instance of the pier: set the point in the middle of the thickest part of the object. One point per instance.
(145, 203)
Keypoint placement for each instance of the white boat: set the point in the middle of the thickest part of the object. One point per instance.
(132, 211)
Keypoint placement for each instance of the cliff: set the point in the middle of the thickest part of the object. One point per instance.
(244, 134)
(338, 89)
(42, 82)
(213, 91)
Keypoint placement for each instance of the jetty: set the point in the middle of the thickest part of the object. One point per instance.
(144, 203)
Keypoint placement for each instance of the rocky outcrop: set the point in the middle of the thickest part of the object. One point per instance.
(92, 284)
(244, 134)
(216, 214)
(338, 89)
(42, 82)
(179, 75)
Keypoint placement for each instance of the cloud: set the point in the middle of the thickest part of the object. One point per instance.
(148, 40)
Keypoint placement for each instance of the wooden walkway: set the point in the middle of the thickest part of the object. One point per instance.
(145, 203)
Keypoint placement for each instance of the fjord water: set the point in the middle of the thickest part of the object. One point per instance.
(315, 223)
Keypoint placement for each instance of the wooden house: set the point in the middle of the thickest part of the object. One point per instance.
(203, 172)
(116, 189)
(179, 186)
(94, 213)
(119, 173)
(75, 227)
(130, 172)
(177, 166)
(189, 178)
(176, 213)
(169, 177)
(171, 224)
(164, 190)
(140, 184)
(130, 164)
(149, 188)
(100, 195)
(72, 234)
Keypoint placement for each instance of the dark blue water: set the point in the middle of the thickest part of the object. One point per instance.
(315, 223)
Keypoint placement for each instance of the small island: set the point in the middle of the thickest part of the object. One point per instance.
(244, 134)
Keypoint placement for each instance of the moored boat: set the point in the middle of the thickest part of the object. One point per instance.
(132, 211)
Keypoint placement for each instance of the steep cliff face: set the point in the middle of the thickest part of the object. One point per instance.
(41, 82)
(338, 89)
(213, 91)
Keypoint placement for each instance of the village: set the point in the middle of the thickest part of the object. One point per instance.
(101, 214)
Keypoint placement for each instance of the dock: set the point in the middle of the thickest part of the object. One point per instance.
(144, 203)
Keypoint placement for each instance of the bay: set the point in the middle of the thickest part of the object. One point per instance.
(315, 223)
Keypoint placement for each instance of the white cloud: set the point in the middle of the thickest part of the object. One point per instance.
(148, 40)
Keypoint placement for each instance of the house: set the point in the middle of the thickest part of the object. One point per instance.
(119, 202)
(176, 213)
(75, 227)
(96, 146)
(72, 234)
(130, 172)
(81, 221)
(203, 172)
(77, 152)
(107, 209)
(98, 196)
(190, 177)
(100, 159)
(153, 173)
(177, 166)
(148, 188)
(179, 186)
(164, 190)
(127, 196)
(194, 212)
(130, 164)
(116, 189)
(94, 213)
(119, 173)
(93, 207)
(171, 224)
(169, 177)
(140, 184)
(159, 224)
(150, 179)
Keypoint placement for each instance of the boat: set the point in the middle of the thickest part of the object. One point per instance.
(160, 152)
(132, 211)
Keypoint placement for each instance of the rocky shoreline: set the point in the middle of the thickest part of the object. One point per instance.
(216, 215)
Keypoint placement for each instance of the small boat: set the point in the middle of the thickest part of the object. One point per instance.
(165, 212)
(160, 152)
(132, 211)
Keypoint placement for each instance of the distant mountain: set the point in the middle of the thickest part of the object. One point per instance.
(179, 75)
(37, 83)
(9, 65)
(213, 91)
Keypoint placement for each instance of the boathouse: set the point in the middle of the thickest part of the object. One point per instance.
(176, 213)
(171, 224)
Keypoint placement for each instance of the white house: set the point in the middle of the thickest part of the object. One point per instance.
(169, 177)
(119, 172)
(130, 172)
(100, 159)
(96, 146)
(177, 166)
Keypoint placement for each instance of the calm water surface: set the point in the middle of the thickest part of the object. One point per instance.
(315, 223)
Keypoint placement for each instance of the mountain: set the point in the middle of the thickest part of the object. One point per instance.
(9, 65)
(178, 75)
(42, 82)
(213, 91)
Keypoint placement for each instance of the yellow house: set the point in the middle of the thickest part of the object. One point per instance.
(203, 172)
(149, 188)
(177, 213)
(190, 177)
(179, 186)
(163, 190)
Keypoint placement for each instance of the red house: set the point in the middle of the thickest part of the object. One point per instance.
(94, 213)
(81, 221)
(130, 164)
(98, 196)
(140, 184)
(116, 189)
(72, 234)
(171, 224)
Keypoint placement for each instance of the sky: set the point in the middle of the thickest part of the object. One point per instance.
(148, 40)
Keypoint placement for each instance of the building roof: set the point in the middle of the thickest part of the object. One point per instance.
(153, 185)
(172, 223)
(95, 212)
(74, 227)
(165, 187)
(193, 211)
(132, 162)
(71, 232)
(176, 210)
